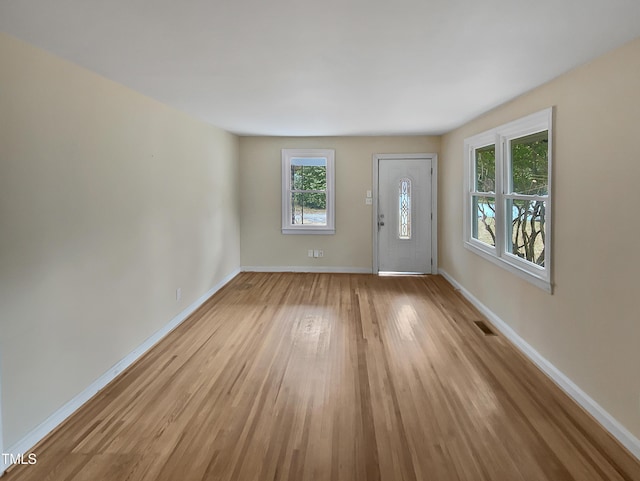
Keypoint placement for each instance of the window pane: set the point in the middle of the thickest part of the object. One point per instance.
(309, 209)
(483, 213)
(527, 237)
(404, 205)
(309, 174)
(296, 177)
(530, 164)
(485, 174)
(314, 178)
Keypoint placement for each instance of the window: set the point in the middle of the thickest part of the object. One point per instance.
(508, 196)
(404, 205)
(308, 205)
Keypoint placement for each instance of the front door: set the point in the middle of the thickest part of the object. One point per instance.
(404, 215)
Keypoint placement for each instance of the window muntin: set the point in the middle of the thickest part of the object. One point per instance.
(307, 191)
(404, 209)
(508, 201)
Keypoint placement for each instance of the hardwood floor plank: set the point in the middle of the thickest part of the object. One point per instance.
(284, 376)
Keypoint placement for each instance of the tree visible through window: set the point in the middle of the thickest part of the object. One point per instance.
(484, 201)
(529, 176)
(309, 191)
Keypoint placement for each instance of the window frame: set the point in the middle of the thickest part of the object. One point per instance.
(287, 156)
(501, 137)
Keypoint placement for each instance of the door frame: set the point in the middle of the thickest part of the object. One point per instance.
(434, 203)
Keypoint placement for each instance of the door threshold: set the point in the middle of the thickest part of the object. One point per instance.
(395, 273)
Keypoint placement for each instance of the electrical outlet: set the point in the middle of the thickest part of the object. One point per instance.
(368, 201)
(310, 252)
(178, 294)
(320, 253)
(316, 253)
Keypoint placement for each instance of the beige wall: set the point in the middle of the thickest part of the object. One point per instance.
(109, 201)
(262, 243)
(590, 327)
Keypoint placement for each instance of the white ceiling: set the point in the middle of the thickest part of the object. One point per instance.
(327, 67)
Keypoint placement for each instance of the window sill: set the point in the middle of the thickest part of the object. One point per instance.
(538, 281)
(309, 231)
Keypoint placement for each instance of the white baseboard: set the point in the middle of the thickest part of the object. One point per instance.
(39, 432)
(331, 269)
(612, 425)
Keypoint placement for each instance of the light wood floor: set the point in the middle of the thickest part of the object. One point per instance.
(331, 377)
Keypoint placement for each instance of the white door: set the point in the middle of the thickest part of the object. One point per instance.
(404, 215)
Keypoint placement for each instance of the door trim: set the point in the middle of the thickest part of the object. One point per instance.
(3, 465)
(434, 203)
